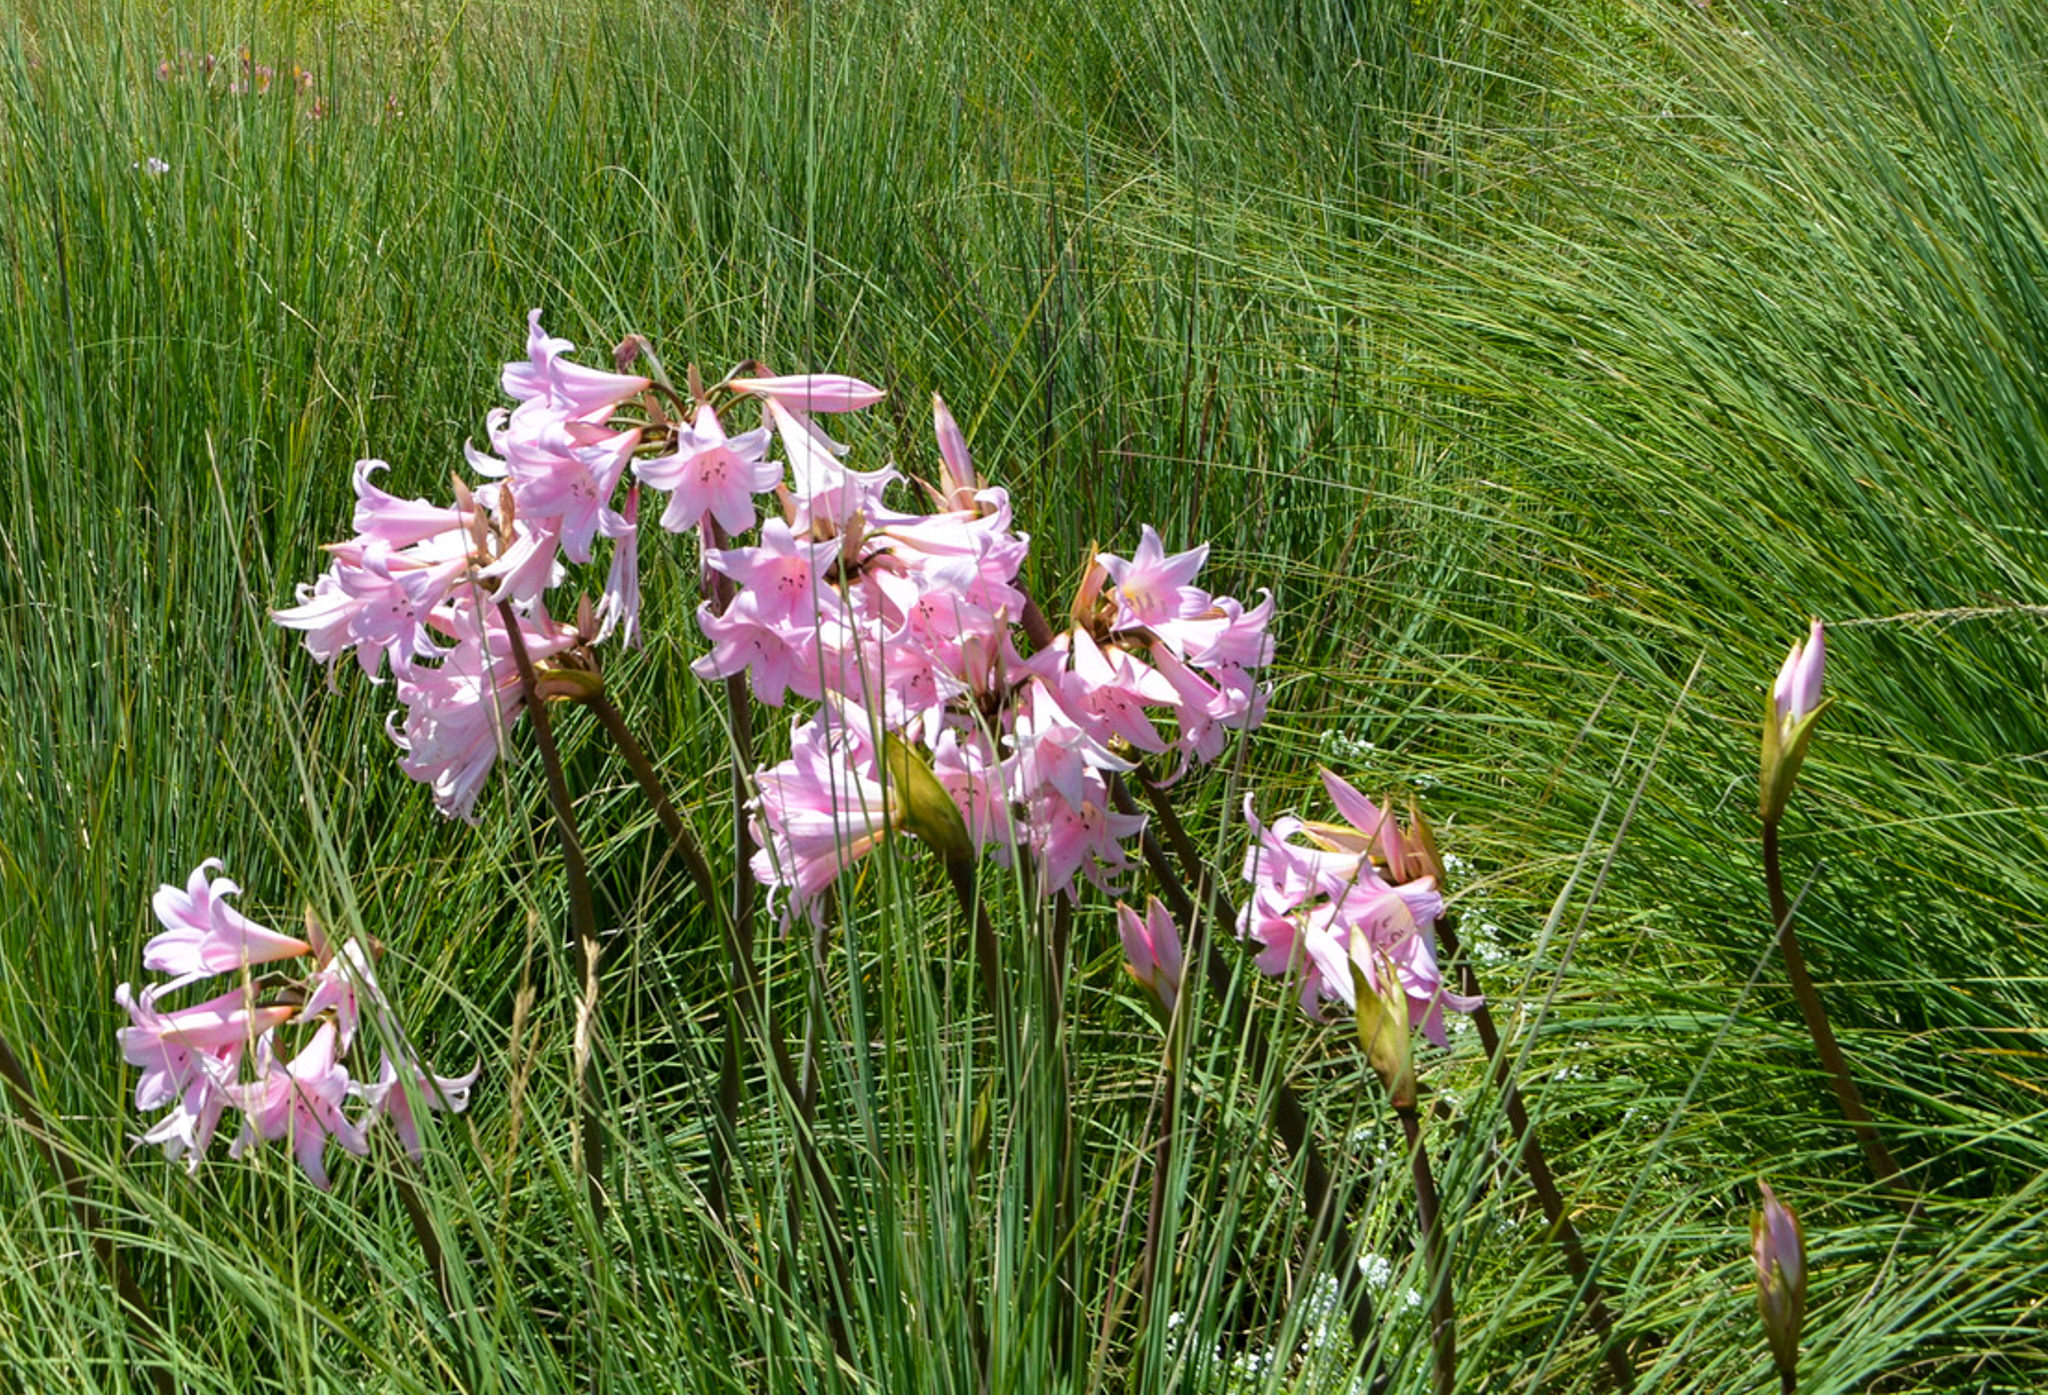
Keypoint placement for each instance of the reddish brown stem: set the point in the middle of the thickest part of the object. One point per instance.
(582, 913)
(1436, 1258)
(1535, 1164)
(1882, 1169)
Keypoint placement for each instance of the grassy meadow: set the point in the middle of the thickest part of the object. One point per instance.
(1551, 363)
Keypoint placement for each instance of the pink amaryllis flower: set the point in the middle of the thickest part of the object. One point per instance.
(456, 711)
(823, 809)
(203, 934)
(302, 1102)
(170, 1047)
(619, 608)
(550, 378)
(1152, 952)
(390, 1096)
(1321, 908)
(1153, 588)
(711, 473)
(189, 1059)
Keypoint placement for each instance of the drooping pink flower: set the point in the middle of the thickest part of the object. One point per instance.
(619, 608)
(567, 471)
(456, 710)
(826, 495)
(389, 1097)
(1110, 691)
(1055, 754)
(302, 1102)
(822, 810)
(203, 934)
(375, 601)
(395, 522)
(787, 575)
(1087, 839)
(171, 1046)
(1320, 907)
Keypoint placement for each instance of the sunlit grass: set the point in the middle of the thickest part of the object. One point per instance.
(1552, 368)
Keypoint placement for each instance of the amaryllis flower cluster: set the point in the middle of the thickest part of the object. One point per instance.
(229, 1051)
(427, 588)
(1328, 897)
(905, 627)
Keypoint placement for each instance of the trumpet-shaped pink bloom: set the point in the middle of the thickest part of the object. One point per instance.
(302, 1102)
(174, 1048)
(1320, 908)
(1110, 691)
(566, 470)
(203, 934)
(1055, 754)
(395, 522)
(1152, 951)
(823, 489)
(712, 473)
(375, 601)
(455, 711)
(822, 810)
(389, 1097)
(1153, 588)
(787, 575)
(1087, 839)
(549, 378)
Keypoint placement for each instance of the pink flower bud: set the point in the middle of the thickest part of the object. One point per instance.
(1779, 1245)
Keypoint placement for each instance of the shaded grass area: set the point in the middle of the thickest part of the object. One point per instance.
(1551, 367)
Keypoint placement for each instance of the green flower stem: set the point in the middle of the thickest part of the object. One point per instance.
(1534, 1163)
(960, 872)
(21, 1099)
(746, 1001)
(1290, 1121)
(582, 916)
(1882, 1169)
(742, 974)
(1162, 1166)
(1436, 1257)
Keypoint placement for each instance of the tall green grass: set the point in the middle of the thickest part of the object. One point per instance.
(1551, 366)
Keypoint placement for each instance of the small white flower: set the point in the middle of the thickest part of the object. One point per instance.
(151, 166)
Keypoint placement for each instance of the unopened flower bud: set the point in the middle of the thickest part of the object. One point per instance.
(927, 812)
(1791, 710)
(1383, 1031)
(1152, 953)
(1779, 1244)
(961, 483)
